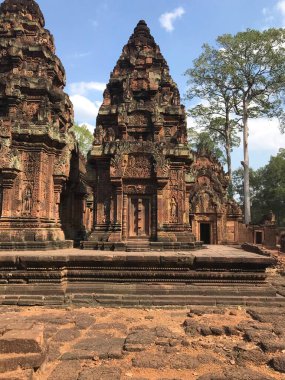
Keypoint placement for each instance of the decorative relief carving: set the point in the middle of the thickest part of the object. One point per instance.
(106, 211)
(27, 201)
(139, 189)
(99, 135)
(110, 135)
(138, 120)
(61, 165)
(138, 166)
(173, 210)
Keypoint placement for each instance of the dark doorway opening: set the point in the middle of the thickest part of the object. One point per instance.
(205, 233)
(258, 237)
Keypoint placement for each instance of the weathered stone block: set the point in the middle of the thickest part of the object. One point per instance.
(278, 363)
(66, 370)
(11, 363)
(22, 341)
(101, 373)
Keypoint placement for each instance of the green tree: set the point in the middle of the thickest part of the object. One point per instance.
(258, 207)
(204, 141)
(273, 186)
(267, 189)
(253, 66)
(209, 82)
(84, 138)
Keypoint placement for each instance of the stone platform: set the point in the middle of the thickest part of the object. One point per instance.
(216, 274)
(37, 246)
(141, 245)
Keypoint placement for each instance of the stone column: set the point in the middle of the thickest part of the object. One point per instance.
(125, 216)
(160, 203)
(154, 217)
(187, 206)
(119, 204)
(59, 181)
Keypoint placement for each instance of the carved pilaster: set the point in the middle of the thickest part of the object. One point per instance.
(58, 181)
(154, 217)
(125, 217)
(119, 202)
(160, 203)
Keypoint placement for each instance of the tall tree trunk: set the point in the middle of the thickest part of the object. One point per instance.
(228, 152)
(229, 165)
(228, 144)
(247, 215)
(229, 161)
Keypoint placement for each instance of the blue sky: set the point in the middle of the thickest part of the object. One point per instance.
(90, 34)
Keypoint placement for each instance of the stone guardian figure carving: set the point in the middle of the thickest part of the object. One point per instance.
(173, 209)
(27, 201)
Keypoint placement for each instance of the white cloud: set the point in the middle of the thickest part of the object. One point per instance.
(167, 19)
(265, 11)
(82, 88)
(85, 110)
(268, 15)
(264, 135)
(265, 140)
(80, 55)
(274, 15)
(280, 6)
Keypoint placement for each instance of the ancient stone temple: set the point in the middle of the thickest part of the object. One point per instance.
(140, 165)
(149, 188)
(142, 188)
(35, 142)
(215, 219)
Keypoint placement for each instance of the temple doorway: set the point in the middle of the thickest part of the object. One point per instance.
(258, 237)
(205, 233)
(139, 217)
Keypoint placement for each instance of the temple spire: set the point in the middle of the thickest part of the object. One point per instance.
(141, 102)
(142, 35)
(26, 7)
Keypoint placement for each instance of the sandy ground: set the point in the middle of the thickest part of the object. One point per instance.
(105, 343)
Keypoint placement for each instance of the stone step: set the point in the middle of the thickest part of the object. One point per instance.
(42, 294)
(137, 249)
(35, 245)
(144, 300)
(185, 301)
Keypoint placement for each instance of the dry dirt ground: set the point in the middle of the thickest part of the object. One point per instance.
(205, 343)
(107, 344)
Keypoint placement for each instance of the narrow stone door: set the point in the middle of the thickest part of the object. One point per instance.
(139, 217)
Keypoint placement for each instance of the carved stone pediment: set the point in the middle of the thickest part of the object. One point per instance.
(139, 189)
(124, 151)
(138, 119)
(139, 166)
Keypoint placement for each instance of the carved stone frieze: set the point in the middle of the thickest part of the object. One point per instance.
(138, 166)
